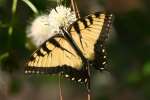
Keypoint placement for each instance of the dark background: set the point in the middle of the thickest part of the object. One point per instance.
(128, 49)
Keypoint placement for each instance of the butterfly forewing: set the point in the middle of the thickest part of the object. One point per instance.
(90, 34)
(55, 52)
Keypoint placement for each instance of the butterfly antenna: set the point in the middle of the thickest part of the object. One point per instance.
(75, 8)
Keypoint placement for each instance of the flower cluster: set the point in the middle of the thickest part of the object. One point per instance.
(46, 26)
(60, 17)
(39, 30)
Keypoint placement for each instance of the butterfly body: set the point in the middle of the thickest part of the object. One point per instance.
(71, 53)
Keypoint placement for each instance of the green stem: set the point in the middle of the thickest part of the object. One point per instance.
(14, 6)
(65, 4)
(32, 7)
(10, 28)
(4, 55)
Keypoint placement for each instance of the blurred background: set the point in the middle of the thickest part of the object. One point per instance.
(128, 50)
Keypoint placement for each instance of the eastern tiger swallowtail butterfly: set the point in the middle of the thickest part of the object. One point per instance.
(68, 54)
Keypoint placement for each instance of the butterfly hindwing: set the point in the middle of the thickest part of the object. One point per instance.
(67, 72)
(90, 34)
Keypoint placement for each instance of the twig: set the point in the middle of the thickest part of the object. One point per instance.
(31, 6)
(10, 28)
(13, 10)
(89, 82)
(89, 94)
(60, 89)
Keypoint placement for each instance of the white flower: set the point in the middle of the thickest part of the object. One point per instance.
(60, 17)
(39, 30)
(46, 26)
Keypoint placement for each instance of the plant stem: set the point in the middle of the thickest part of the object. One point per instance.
(10, 28)
(60, 89)
(31, 5)
(89, 95)
(14, 6)
(89, 82)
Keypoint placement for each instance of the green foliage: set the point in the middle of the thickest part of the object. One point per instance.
(33, 8)
(146, 69)
(129, 52)
(15, 86)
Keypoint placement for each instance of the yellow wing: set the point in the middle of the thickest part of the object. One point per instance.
(86, 31)
(55, 52)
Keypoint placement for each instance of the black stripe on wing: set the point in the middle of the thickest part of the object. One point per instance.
(43, 49)
(106, 27)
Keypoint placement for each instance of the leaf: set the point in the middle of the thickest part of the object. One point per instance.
(31, 5)
(146, 69)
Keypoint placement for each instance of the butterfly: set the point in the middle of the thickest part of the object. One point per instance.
(81, 45)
